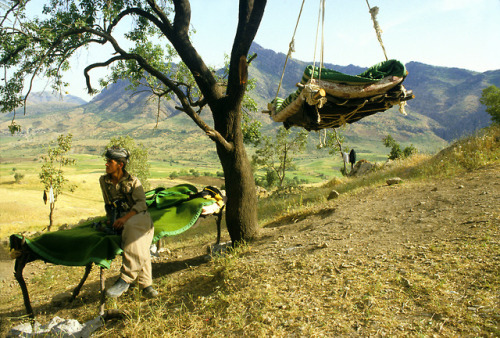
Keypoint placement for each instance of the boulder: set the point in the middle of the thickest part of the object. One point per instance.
(362, 167)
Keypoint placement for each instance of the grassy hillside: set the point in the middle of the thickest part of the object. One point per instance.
(418, 258)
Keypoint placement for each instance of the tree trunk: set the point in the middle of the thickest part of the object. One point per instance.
(52, 205)
(241, 207)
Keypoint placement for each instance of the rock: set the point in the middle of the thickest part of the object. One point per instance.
(394, 180)
(362, 167)
(333, 194)
(261, 192)
(58, 327)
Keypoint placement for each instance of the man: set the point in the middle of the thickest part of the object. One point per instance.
(126, 209)
(352, 158)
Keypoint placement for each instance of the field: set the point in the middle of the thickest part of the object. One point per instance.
(23, 208)
(417, 259)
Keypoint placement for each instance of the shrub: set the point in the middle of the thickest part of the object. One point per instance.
(18, 177)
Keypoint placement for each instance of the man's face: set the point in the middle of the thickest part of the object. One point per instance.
(112, 166)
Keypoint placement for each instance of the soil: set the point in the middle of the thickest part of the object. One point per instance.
(381, 218)
(403, 228)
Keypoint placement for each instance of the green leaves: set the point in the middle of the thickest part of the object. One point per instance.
(276, 154)
(42, 45)
(491, 99)
(138, 165)
(52, 174)
(396, 152)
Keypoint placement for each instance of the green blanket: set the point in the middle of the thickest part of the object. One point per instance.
(372, 75)
(173, 211)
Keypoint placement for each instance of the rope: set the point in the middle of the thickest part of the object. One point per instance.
(373, 12)
(322, 139)
(321, 19)
(291, 48)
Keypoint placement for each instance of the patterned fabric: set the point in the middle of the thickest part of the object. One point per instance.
(115, 153)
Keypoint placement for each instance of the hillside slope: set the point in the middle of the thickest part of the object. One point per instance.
(418, 259)
(446, 107)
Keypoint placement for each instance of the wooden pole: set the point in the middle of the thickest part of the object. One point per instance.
(76, 291)
(103, 295)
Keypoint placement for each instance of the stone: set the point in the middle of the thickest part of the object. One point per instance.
(333, 194)
(394, 180)
(362, 167)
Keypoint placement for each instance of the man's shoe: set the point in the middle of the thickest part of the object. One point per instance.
(149, 292)
(117, 289)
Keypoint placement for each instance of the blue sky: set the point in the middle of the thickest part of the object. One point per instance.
(450, 33)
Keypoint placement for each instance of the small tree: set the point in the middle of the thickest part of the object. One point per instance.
(276, 154)
(18, 177)
(138, 163)
(52, 175)
(335, 143)
(396, 151)
(491, 99)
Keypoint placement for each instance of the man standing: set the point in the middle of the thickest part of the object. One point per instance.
(126, 209)
(352, 158)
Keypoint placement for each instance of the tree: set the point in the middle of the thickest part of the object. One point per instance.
(52, 174)
(491, 99)
(276, 154)
(396, 151)
(44, 46)
(18, 177)
(335, 141)
(138, 163)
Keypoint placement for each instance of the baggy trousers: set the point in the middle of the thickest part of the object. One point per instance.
(137, 237)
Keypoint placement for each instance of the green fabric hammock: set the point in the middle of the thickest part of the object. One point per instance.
(173, 211)
(372, 75)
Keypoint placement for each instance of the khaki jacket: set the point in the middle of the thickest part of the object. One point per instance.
(129, 188)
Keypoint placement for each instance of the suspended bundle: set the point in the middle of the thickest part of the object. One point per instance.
(329, 99)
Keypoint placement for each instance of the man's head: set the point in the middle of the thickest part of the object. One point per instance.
(120, 155)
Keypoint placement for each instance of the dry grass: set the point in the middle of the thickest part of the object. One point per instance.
(418, 259)
(23, 209)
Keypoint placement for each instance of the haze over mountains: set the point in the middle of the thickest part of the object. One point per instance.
(446, 106)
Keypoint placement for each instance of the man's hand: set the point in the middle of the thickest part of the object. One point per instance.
(120, 222)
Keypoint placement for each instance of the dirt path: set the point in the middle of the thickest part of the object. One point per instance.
(381, 217)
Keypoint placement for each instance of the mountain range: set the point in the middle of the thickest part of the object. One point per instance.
(446, 106)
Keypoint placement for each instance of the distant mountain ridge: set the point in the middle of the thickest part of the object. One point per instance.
(446, 106)
(449, 97)
(47, 97)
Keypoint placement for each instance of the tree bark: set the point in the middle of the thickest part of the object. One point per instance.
(241, 209)
(51, 218)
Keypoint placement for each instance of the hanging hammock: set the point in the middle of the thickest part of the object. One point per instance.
(329, 99)
(338, 98)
